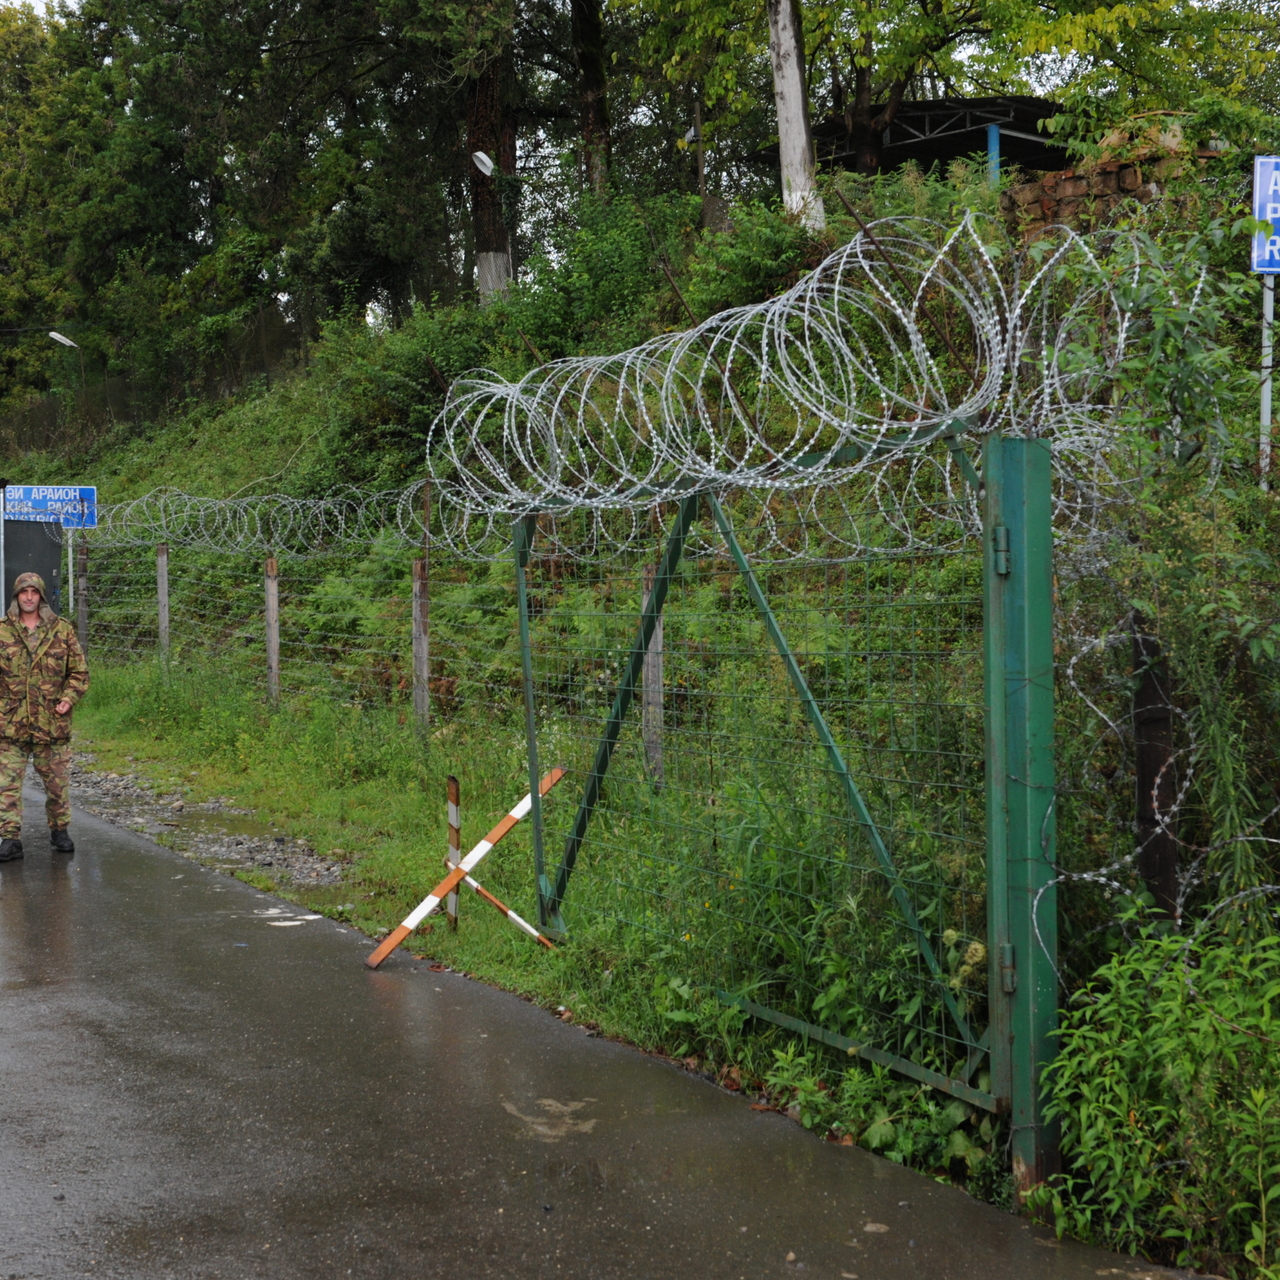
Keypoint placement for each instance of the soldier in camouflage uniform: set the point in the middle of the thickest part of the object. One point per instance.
(43, 674)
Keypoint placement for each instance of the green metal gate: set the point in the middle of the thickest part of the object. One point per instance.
(821, 788)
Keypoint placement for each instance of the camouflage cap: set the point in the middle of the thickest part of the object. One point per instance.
(25, 580)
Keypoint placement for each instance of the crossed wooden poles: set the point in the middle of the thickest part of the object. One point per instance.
(460, 873)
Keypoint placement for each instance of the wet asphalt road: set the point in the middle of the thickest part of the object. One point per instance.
(193, 1088)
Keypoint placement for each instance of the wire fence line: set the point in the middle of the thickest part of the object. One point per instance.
(719, 798)
(347, 631)
(774, 535)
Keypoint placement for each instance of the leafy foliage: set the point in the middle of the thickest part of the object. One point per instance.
(1165, 1090)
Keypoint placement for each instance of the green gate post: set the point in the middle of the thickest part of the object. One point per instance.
(1022, 903)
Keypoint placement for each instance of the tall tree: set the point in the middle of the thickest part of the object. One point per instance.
(791, 98)
(589, 54)
(484, 138)
(877, 54)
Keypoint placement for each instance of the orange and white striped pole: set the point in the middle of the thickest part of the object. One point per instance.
(519, 921)
(455, 843)
(454, 878)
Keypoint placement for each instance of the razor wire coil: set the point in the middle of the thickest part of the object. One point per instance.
(910, 334)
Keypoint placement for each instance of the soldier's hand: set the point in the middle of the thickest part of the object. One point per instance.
(63, 707)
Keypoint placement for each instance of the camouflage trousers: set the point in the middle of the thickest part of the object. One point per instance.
(53, 764)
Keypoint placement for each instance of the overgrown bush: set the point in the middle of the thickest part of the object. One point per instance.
(1166, 1091)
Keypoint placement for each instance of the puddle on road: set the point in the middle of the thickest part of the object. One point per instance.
(558, 1121)
(282, 917)
(220, 824)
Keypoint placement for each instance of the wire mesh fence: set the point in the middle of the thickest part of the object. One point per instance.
(839, 883)
(800, 828)
(341, 633)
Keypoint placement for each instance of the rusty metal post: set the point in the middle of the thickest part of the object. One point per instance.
(1156, 785)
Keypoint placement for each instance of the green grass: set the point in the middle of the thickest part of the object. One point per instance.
(257, 441)
(361, 781)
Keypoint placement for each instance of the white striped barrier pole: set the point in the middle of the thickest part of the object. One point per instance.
(519, 921)
(455, 843)
(454, 878)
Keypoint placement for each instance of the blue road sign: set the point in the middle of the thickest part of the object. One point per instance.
(1266, 208)
(71, 506)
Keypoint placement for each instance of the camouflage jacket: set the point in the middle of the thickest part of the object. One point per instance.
(34, 678)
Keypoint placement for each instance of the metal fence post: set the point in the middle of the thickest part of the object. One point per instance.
(422, 620)
(421, 646)
(162, 597)
(271, 583)
(1022, 908)
(651, 701)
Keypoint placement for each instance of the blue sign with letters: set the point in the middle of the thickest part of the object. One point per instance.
(1266, 208)
(71, 506)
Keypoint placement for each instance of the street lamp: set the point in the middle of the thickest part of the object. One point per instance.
(66, 342)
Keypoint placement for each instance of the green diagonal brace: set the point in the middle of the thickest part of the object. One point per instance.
(958, 1087)
(522, 539)
(852, 794)
(626, 692)
(963, 461)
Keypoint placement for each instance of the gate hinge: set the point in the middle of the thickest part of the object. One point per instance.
(1002, 548)
(1008, 971)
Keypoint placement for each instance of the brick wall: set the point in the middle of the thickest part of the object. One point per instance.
(1075, 198)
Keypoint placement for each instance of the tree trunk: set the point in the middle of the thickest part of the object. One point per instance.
(791, 95)
(865, 121)
(865, 143)
(484, 134)
(702, 154)
(1156, 785)
(587, 26)
(509, 183)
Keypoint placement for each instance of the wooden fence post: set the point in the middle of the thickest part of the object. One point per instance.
(455, 843)
(651, 692)
(272, 582)
(422, 620)
(82, 594)
(162, 597)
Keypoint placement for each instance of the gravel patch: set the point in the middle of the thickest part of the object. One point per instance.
(212, 832)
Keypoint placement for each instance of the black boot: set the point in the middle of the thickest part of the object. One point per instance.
(60, 840)
(10, 849)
